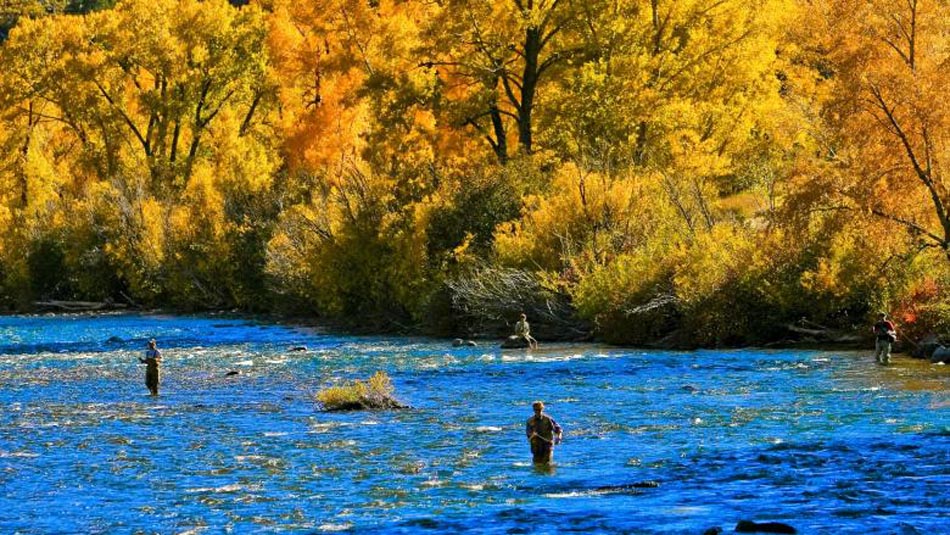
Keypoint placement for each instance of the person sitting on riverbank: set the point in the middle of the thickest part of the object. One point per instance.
(523, 330)
(885, 336)
(543, 433)
(153, 357)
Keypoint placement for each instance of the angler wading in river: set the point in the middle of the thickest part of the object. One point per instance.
(543, 433)
(885, 336)
(153, 357)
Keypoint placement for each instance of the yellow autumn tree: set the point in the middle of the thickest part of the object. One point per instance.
(893, 137)
(141, 99)
(361, 153)
(494, 61)
(883, 134)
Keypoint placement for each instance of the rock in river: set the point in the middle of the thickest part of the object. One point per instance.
(748, 526)
(515, 342)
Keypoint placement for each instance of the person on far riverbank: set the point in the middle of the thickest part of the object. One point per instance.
(543, 433)
(152, 360)
(885, 336)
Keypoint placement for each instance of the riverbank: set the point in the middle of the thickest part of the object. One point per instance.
(797, 338)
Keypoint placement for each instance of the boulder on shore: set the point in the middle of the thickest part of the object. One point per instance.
(924, 349)
(940, 354)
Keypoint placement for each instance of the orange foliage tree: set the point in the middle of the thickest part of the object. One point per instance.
(889, 132)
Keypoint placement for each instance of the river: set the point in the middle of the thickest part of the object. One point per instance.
(827, 442)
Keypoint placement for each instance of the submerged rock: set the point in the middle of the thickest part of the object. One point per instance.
(627, 487)
(908, 529)
(458, 342)
(115, 340)
(299, 348)
(232, 373)
(748, 526)
(716, 530)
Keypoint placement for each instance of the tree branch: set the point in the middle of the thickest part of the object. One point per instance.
(922, 174)
(126, 118)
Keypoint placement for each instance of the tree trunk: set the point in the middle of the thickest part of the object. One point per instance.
(532, 49)
(500, 144)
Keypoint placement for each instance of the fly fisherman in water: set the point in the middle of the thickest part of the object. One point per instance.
(543, 433)
(885, 335)
(153, 357)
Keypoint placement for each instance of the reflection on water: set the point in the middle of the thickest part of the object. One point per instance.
(827, 442)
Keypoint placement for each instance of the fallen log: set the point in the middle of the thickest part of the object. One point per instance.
(823, 335)
(805, 330)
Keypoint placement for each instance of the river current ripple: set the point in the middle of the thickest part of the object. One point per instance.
(825, 441)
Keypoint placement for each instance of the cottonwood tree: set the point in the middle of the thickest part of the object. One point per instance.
(146, 123)
(496, 58)
(888, 129)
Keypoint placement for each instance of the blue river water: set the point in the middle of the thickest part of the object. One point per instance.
(827, 442)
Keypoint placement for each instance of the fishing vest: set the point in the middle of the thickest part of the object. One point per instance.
(543, 426)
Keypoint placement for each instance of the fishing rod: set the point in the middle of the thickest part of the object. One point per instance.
(542, 438)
